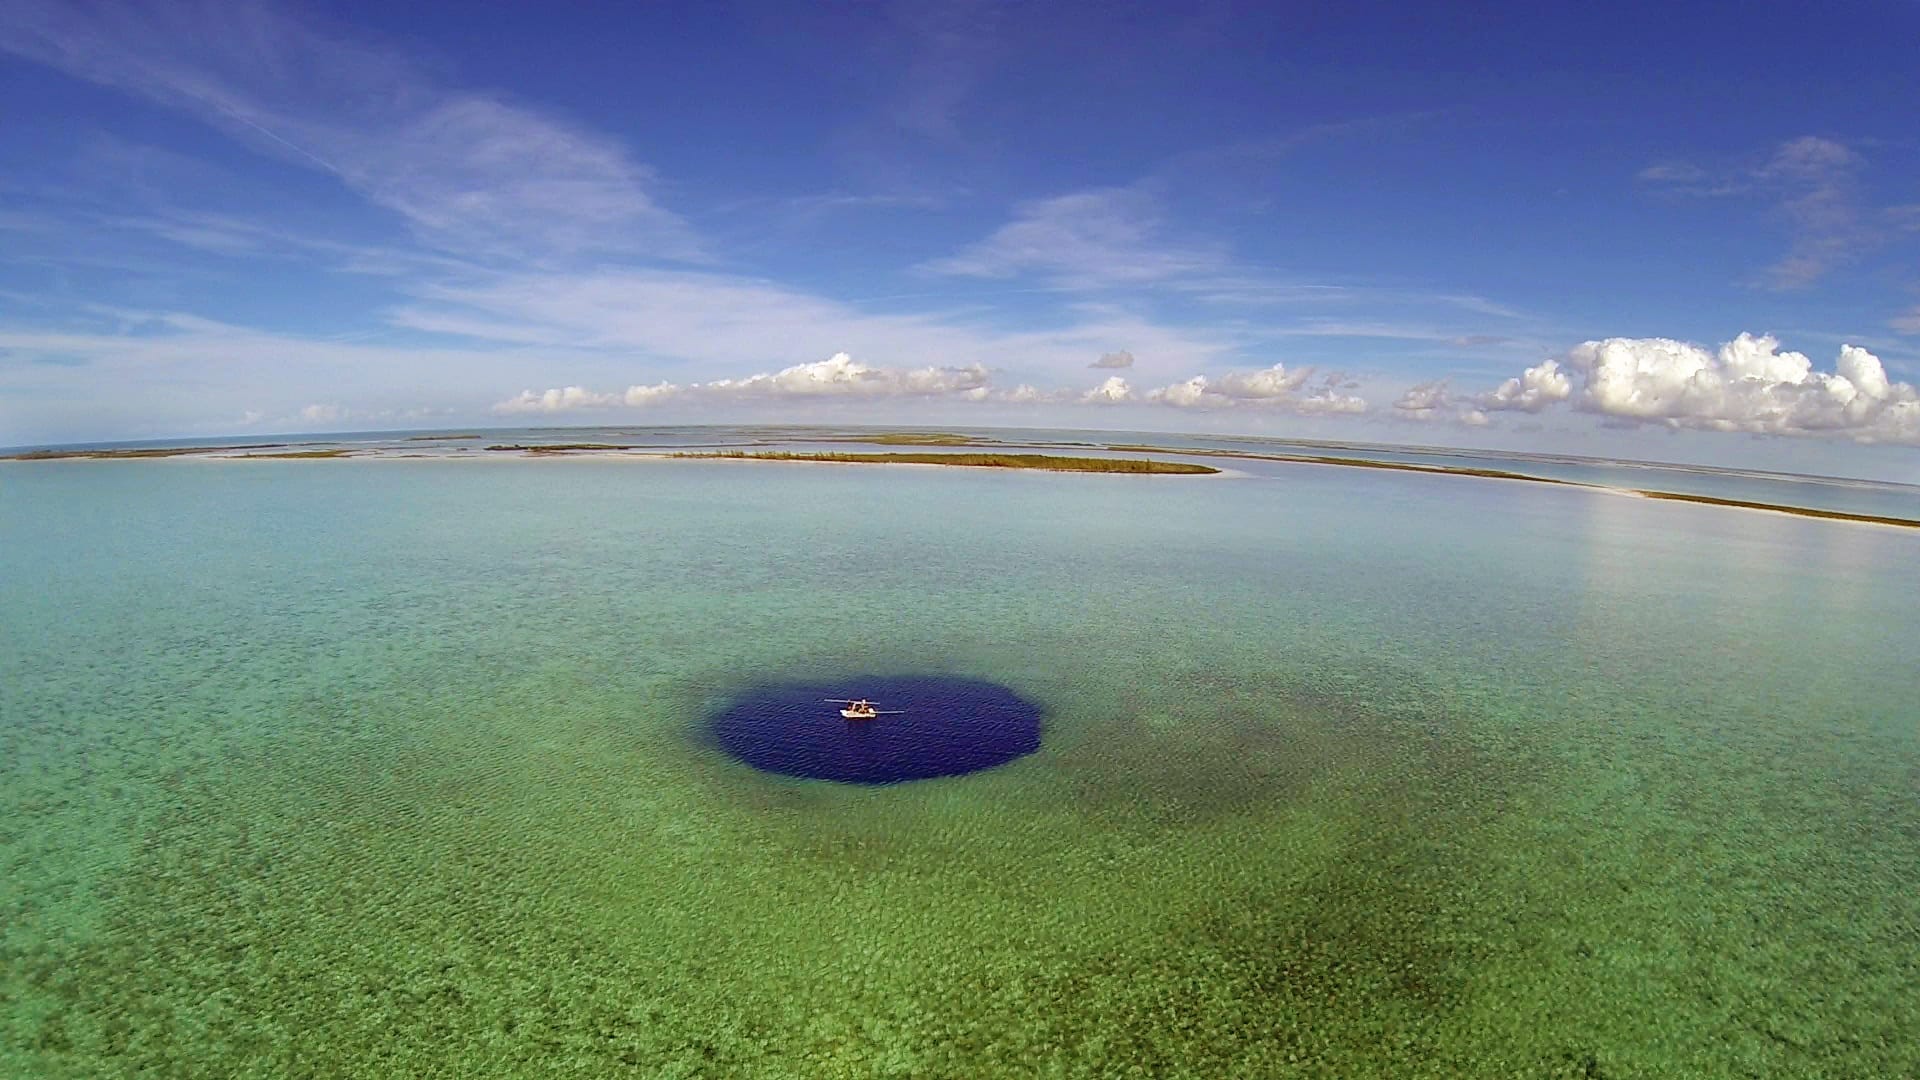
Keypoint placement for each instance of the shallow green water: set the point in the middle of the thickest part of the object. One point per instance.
(398, 768)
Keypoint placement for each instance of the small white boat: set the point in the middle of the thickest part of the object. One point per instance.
(861, 708)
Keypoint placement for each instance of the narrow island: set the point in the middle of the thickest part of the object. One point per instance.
(1361, 463)
(1502, 474)
(559, 448)
(1045, 462)
(905, 438)
(1803, 511)
(142, 452)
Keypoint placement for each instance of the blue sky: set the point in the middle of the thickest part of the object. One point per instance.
(1362, 223)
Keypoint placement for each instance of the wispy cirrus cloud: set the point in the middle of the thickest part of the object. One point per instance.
(949, 46)
(1101, 238)
(1817, 182)
(667, 318)
(469, 171)
(1813, 185)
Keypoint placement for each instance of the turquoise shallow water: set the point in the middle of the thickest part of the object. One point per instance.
(398, 768)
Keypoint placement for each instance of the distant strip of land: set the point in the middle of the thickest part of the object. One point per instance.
(147, 452)
(1359, 463)
(561, 448)
(1047, 462)
(991, 457)
(1501, 474)
(906, 438)
(1803, 511)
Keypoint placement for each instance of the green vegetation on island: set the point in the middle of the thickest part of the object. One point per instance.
(988, 460)
(559, 448)
(1360, 463)
(1778, 508)
(1501, 474)
(908, 438)
(1045, 462)
(142, 452)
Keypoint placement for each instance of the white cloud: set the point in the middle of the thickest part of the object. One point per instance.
(1748, 384)
(323, 414)
(728, 322)
(1090, 239)
(838, 376)
(642, 396)
(1121, 359)
(1813, 185)
(1435, 401)
(1671, 172)
(842, 376)
(1023, 394)
(1425, 398)
(1273, 387)
(1817, 181)
(1535, 389)
(558, 399)
(471, 172)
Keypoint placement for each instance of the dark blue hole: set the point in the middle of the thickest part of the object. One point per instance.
(943, 727)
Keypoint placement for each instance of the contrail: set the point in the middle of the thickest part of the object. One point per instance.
(301, 150)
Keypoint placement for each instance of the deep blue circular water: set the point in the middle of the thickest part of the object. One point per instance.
(945, 727)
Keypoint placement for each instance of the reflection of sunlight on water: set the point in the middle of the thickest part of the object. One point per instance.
(1847, 558)
(1744, 612)
(1727, 574)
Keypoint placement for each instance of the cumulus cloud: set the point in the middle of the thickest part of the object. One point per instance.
(558, 399)
(1023, 394)
(1425, 397)
(1121, 359)
(1434, 401)
(1272, 387)
(1112, 391)
(837, 376)
(1748, 384)
(323, 414)
(1535, 389)
(841, 375)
